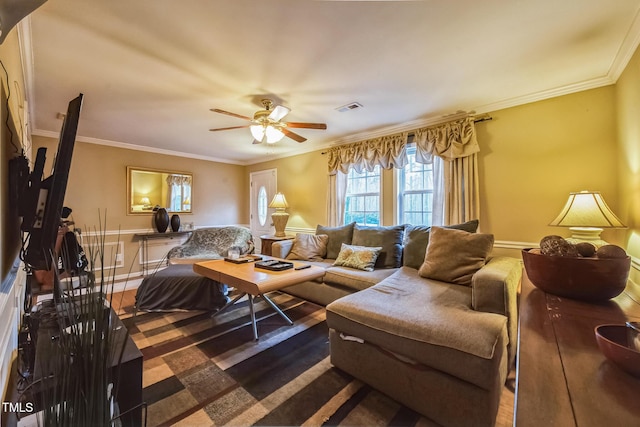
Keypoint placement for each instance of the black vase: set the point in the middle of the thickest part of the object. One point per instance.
(175, 222)
(161, 220)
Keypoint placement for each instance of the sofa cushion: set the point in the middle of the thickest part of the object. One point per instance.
(428, 321)
(356, 280)
(358, 257)
(388, 238)
(455, 255)
(416, 239)
(309, 247)
(337, 236)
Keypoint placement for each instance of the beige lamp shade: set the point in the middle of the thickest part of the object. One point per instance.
(586, 214)
(145, 201)
(279, 202)
(279, 217)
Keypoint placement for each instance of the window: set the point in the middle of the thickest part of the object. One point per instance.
(262, 206)
(415, 191)
(362, 200)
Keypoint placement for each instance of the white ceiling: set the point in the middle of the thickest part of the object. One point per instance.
(150, 70)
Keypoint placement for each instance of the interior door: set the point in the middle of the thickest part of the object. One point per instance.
(263, 188)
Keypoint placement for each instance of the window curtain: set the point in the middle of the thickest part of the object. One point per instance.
(456, 144)
(336, 197)
(386, 151)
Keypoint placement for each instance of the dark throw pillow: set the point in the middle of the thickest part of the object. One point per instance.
(388, 238)
(337, 236)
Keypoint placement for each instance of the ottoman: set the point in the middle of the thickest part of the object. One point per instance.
(178, 287)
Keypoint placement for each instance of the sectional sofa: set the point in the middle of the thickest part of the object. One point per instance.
(425, 315)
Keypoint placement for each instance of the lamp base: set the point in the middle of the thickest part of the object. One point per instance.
(586, 234)
(280, 222)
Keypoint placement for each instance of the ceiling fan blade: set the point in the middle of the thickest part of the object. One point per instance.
(293, 136)
(240, 116)
(278, 113)
(307, 125)
(229, 128)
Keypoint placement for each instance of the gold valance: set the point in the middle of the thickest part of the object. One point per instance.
(448, 141)
(386, 151)
(451, 140)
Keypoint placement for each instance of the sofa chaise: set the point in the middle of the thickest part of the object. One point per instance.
(431, 321)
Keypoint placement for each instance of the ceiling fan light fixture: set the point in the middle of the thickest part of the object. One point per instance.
(266, 133)
(273, 134)
(257, 131)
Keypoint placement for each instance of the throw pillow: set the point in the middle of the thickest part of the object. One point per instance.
(309, 247)
(416, 239)
(337, 236)
(388, 238)
(455, 255)
(360, 257)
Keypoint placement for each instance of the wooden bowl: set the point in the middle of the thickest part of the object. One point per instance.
(586, 279)
(616, 343)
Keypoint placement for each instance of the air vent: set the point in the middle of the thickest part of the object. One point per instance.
(349, 107)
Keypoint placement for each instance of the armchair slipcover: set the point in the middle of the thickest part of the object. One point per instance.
(212, 243)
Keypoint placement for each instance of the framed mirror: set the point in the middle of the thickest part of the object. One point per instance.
(150, 188)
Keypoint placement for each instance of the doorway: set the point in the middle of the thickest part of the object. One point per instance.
(264, 185)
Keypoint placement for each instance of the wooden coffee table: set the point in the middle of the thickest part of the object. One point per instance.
(255, 282)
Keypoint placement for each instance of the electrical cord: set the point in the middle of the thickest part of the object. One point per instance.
(6, 122)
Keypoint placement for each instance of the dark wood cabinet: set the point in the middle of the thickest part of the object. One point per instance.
(562, 377)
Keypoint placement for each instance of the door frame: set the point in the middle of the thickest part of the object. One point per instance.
(272, 188)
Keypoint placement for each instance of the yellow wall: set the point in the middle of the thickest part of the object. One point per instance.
(628, 161)
(532, 156)
(11, 140)
(303, 180)
(98, 182)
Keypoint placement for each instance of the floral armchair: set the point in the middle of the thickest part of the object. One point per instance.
(212, 243)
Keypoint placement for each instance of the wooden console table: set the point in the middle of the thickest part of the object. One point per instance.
(562, 377)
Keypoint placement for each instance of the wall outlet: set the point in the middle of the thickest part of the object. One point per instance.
(119, 257)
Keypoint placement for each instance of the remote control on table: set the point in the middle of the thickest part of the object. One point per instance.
(302, 267)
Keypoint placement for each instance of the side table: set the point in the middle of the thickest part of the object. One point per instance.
(268, 240)
(562, 378)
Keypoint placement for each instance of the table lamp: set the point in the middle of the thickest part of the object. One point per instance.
(279, 217)
(586, 214)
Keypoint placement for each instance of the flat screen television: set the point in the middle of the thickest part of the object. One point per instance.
(44, 198)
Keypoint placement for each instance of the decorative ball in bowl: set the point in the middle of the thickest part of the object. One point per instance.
(589, 279)
(621, 345)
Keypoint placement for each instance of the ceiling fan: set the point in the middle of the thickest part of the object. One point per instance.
(266, 125)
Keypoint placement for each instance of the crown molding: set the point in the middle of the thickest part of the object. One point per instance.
(627, 49)
(127, 146)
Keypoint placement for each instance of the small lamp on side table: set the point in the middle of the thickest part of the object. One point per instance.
(586, 214)
(279, 217)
